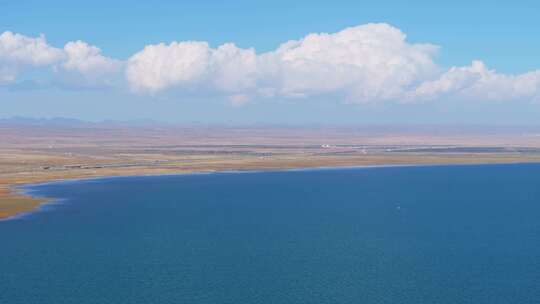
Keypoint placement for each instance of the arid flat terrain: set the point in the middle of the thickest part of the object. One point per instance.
(47, 151)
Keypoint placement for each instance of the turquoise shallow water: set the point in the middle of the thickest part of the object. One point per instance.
(440, 234)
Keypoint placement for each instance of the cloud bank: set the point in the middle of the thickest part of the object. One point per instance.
(370, 63)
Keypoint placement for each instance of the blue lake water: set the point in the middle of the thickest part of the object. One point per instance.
(434, 234)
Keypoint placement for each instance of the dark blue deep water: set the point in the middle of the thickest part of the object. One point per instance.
(435, 234)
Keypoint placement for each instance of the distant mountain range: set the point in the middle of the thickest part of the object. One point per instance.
(372, 129)
(72, 122)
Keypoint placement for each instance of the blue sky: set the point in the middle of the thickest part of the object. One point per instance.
(502, 36)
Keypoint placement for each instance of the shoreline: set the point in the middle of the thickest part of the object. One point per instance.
(23, 203)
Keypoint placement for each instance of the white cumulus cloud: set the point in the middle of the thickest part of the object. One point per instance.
(19, 53)
(233, 69)
(160, 66)
(477, 82)
(192, 64)
(86, 58)
(87, 67)
(19, 49)
(368, 63)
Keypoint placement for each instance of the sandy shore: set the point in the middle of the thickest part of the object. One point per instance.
(38, 153)
(13, 202)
